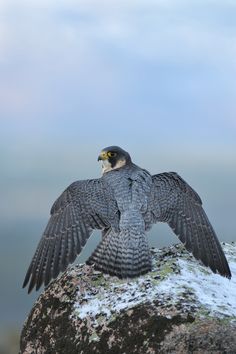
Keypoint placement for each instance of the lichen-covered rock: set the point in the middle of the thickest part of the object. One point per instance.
(179, 307)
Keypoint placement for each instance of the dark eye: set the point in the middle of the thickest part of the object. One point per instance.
(111, 154)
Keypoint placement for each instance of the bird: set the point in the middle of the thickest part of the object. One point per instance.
(123, 203)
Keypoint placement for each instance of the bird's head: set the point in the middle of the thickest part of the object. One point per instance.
(113, 157)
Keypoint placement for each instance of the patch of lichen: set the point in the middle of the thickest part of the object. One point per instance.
(163, 270)
(166, 269)
(137, 332)
(94, 337)
(203, 313)
(99, 280)
(141, 331)
(50, 319)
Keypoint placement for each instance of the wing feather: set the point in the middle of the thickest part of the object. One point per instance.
(175, 202)
(82, 207)
(57, 257)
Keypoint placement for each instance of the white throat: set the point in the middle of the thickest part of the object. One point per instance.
(106, 166)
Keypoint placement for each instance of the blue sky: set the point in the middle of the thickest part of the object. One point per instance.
(156, 77)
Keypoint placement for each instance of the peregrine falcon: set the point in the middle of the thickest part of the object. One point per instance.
(124, 203)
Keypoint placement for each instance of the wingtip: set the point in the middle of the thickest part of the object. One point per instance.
(30, 288)
(29, 291)
(24, 284)
(227, 271)
(26, 281)
(32, 283)
(38, 286)
(228, 275)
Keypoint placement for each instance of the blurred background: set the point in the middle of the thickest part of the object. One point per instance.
(155, 77)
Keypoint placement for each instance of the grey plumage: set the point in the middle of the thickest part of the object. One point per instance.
(123, 203)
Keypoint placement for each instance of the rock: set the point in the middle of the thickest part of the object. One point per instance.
(179, 307)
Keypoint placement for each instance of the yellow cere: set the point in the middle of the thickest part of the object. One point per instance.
(104, 155)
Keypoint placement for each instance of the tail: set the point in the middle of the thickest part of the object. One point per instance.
(125, 254)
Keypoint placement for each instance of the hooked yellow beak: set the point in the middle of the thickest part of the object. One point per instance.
(103, 156)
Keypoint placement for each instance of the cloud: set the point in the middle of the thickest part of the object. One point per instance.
(153, 29)
(87, 58)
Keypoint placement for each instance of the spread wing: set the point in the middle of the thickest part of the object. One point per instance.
(175, 202)
(82, 207)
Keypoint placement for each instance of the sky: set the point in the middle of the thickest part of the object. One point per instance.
(155, 77)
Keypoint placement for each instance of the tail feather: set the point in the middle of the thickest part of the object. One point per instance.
(125, 254)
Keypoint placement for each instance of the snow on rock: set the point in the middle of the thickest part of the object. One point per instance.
(176, 278)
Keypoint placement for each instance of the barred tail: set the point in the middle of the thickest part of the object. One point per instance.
(125, 254)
